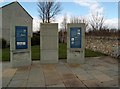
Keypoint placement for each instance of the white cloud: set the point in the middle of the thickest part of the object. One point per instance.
(60, 17)
(87, 3)
(58, 20)
(88, 0)
(112, 23)
(36, 24)
(1, 0)
(94, 6)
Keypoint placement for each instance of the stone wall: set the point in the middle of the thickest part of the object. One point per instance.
(107, 45)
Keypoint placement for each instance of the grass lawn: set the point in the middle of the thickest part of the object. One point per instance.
(90, 53)
(62, 53)
(36, 52)
(5, 54)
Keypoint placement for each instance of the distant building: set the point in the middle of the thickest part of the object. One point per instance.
(14, 14)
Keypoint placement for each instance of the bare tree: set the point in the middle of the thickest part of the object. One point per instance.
(97, 21)
(83, 20)
(48, 9)
(64, 23)
(75, 19)
(79, 20)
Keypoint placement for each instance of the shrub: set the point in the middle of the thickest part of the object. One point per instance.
(3, 43)
(35, 40)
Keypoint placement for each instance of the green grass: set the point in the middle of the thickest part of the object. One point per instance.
(5, 54)
(90, 53)
(36, 52)
(62, 53)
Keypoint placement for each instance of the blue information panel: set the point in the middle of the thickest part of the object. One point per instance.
(21, 37)
(75, 37)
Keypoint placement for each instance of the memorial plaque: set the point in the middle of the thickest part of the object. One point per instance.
(75, 43)
(21, 37)
(75, 37)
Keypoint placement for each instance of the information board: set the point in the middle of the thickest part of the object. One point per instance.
(75, 37)
(21, 37)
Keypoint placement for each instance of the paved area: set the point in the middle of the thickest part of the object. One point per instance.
(96, 72)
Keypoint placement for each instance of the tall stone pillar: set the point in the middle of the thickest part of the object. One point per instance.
(49, 43)
(20, 45)
(75, 43)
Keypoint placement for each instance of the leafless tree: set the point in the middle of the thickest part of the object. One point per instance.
(64, 23)
(97, 21)
(76, 19)
(48, 9)
(84, 20)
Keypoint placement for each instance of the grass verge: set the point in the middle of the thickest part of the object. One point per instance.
(62, 53)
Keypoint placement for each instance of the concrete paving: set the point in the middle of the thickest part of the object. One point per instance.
(96, 72)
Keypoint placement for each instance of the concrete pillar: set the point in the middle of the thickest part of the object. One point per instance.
(75, 43)
(20, 49)
(49, 43)
(20, 42)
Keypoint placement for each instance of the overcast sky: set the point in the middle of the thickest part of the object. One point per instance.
(82, 8)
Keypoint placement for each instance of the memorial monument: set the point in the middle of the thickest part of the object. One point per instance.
(49, 43)
(75, 43)
(17, 31)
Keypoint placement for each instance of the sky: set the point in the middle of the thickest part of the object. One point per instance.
(81, 8)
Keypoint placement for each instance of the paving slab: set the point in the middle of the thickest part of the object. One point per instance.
(15, 88)
(53, 80)
(111, 83)
(18, 83)
(57, 85)
(85, 77)
(68, 76)
(103, 77)
(92, 83)
(36, 76)
(82, 77)
(87, 67)
(111, 60)
(36, 84)
(102, 68)
(78, 71)
(7, 75)
(111, 73)
(8, 72)
(22, 73)
(51, 75)
(5, 82)
(21, 76)
(73, 83)
(96, 72)
(63, 69)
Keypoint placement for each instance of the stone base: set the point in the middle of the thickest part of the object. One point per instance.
(49, 56)
(19, 59)
(48, 61)
(75, 57)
